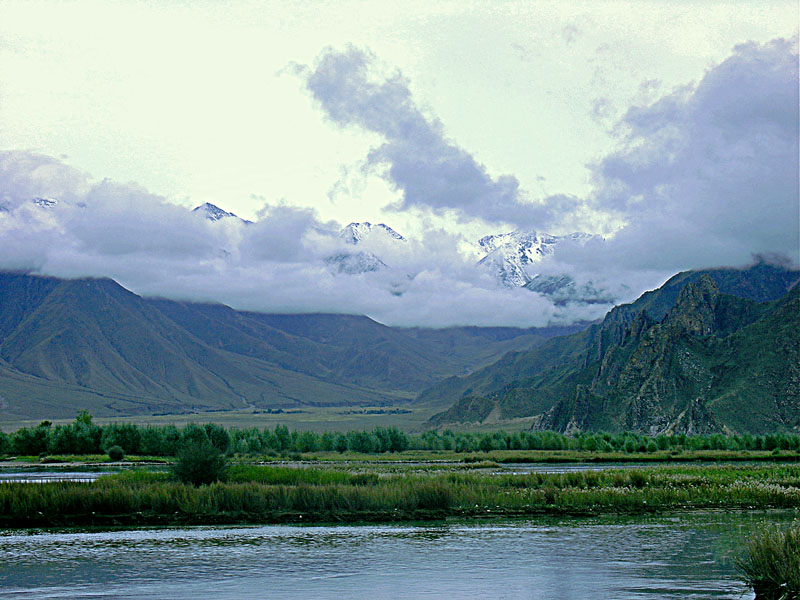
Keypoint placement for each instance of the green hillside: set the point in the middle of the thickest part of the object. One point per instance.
(711, 362)
(89, 343)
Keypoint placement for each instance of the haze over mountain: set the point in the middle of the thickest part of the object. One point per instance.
(710, 351)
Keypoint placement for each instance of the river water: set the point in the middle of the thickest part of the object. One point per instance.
(678, 556)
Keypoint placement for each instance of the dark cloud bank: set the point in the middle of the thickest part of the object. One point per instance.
(705, 176)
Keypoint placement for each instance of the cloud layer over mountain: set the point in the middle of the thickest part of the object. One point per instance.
(704, 176)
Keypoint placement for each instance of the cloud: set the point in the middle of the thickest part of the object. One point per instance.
(416, 158)
(277, 264)
(705, 175)
(708, 174)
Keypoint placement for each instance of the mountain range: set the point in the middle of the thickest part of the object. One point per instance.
(89, 343)
(709, 352)
(511, 258)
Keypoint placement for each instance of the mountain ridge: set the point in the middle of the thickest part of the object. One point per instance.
(581, 381)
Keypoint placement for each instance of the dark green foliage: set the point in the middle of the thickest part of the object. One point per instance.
(771, 563)
(126, 435)
(199, 463)
(30, 441)
(80, 438)
(160, 441)
(116, 453)
(192, 433)
(361, 441)
(218, 436)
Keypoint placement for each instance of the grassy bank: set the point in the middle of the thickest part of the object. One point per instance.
(274, 495)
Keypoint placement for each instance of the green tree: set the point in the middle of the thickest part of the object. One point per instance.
(218, 436)
(192, 433)
(126, 435)
(283, 438)
(199, 464)
(31, 441)
(116, 453)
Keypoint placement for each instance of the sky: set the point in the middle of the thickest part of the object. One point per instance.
(667, 129)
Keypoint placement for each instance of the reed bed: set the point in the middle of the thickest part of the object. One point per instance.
(771, 563)
(282, 494)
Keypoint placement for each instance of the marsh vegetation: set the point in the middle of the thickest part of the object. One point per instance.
(266, 494)
(771, 562)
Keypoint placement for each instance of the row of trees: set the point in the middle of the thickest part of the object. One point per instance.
(85, 437)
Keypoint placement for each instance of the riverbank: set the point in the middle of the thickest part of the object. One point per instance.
(421, 456)
(372, 494)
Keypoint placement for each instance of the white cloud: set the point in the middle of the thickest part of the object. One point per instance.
(155, 248)
(708, 174)
(705, 175)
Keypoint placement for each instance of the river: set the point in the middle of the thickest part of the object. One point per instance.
(678, 556)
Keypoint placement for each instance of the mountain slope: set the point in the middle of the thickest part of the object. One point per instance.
(652, 368)
(95, 336)
(92, 344)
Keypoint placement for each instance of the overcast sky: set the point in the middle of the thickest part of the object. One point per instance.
(670, 128)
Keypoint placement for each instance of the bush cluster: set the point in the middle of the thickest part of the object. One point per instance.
(85, 437)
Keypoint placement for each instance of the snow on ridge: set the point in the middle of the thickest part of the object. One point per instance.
(511, 255)
(357, 232)
(212, 212)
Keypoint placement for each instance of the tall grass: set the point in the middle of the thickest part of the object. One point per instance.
(269, 494)
(771, 563)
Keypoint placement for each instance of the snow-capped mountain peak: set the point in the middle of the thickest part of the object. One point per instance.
(353, 263)
(512, 255)
(212, 212)
(356, 232)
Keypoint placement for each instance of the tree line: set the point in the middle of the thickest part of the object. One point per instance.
(83, 436)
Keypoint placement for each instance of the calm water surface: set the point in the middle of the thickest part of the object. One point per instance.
(681, 556)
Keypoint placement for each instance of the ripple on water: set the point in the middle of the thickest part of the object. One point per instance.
(689, 556)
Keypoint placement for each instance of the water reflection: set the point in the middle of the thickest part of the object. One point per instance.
(686, 556)
(50, 476)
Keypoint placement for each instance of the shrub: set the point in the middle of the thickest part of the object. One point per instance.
(771, 563)
(116, 453)
(199, 463)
